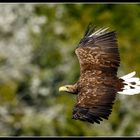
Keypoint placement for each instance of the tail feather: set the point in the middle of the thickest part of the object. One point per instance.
(131, 84)
(128, 75)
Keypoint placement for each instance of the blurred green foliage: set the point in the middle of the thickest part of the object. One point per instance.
(37, 43)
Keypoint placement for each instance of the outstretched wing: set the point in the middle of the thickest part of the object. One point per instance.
(98, 50)
(94, 101)
(99, 61)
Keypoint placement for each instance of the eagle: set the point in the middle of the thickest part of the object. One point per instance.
(98, 84)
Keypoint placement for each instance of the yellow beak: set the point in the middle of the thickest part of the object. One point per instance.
(62, 89)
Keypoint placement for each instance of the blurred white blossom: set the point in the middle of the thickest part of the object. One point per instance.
(18, 21)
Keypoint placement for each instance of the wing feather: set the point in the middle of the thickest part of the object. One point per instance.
(99, 60)
(96, 109)
(99, 50)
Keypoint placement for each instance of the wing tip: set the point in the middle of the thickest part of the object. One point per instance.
(99, 32)
(90, 30)
(99, 35)
(85, 114)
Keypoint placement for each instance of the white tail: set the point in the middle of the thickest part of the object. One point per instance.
(132, 84)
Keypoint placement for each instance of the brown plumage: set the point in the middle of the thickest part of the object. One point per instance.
(99, 60)
(98, 84)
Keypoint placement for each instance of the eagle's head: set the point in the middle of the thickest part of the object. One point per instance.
(68, 88)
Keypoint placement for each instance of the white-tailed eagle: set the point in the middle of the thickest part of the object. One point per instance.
(98, 84)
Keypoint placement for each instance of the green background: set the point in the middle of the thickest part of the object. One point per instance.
(37, 44)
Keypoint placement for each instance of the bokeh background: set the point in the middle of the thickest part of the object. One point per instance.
(37, 43)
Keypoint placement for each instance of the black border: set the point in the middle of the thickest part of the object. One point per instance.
(72, 2)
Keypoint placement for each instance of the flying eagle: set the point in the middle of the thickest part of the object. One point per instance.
(98, 84)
